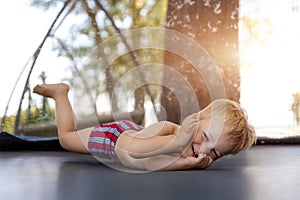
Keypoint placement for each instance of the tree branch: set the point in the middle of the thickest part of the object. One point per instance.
(35, 56)
(130, 52)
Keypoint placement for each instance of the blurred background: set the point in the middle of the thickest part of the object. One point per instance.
(254, 44)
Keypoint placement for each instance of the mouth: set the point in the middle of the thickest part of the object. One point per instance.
(194, 153)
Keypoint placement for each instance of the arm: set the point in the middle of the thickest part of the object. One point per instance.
(161, 128)
(159, 138)
(168, 163)
(165, 138)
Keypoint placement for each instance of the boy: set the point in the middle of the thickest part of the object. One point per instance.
(219, 129)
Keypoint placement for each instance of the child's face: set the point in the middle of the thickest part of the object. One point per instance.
(210, 138)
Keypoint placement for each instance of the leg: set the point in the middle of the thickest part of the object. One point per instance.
(68, 136)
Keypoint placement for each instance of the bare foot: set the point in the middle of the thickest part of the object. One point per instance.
(51, 90)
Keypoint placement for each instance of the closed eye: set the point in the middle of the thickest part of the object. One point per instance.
(205, 136)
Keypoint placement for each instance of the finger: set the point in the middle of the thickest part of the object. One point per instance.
(204, 162)
(192, 117)
(201, 155)
(194, 126)
(189, 128)
(200, 163)
(193, 121)
(196, 116)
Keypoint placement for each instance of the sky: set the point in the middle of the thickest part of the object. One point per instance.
(22, 30)
(266, 88)
(268, 85)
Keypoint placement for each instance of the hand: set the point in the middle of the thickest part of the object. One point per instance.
(190, 122)
(201, 162)
(168, 162)
(187, 131)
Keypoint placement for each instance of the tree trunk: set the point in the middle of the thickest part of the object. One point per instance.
(214, 25)
(139, 94)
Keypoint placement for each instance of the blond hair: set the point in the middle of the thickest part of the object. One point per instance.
(241, 133)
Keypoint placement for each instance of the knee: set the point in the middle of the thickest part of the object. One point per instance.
(64, 143)
(71, 142)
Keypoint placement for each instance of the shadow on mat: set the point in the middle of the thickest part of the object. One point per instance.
(78, 180)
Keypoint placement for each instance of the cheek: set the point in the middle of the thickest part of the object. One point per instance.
(225, 146)
(200, 145)
(203, 148)
(198, 139)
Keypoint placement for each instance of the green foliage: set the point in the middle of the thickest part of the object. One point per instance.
(89, 26)
(45, 4)
(9, 124)
(37, 115)
(34, 116)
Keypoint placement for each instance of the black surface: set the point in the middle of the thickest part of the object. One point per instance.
(9, 142)
(263, 172)
(284, 140)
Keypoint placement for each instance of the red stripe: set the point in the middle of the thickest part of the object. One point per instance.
(128, 124)
(108, 135)
(116, 126)
(133, 125)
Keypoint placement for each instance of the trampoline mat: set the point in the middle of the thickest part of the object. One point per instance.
(262, 172)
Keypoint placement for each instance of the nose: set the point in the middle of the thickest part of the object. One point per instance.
(197, 148)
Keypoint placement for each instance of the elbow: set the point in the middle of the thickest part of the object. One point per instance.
(133, 151)
(134, 155)
(65, 144)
